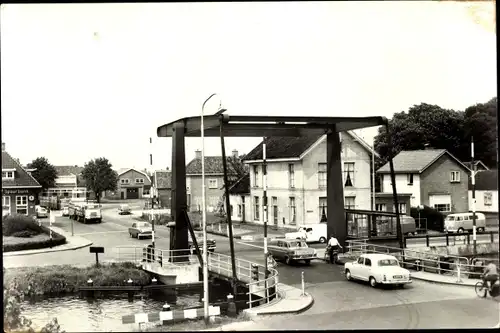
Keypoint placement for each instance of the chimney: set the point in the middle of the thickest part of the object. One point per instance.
(197, 153)
(235, 153)
(3, 146)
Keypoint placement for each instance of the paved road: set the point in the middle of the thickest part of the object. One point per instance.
(339, 304)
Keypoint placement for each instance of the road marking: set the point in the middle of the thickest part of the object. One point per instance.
(257, 246)
(101, 232)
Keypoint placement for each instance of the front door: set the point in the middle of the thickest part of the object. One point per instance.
(122, 195)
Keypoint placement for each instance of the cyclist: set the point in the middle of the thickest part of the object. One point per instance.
(333, 246)
(490, 274)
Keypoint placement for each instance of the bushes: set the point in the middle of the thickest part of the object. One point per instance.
(15, 223)
(56, 280)
(23, 226)
(435, 220)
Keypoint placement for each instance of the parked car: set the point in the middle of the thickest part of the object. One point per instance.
(289, 251)
(377, 269)
(65, 211)
(41, 212)
(140, 229)
(211, 243)
(124, 210)
(460, 222)
(310, 233)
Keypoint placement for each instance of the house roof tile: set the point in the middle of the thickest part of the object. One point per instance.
(486, 180)
(66, 170)
(213, 165)
(283, 147)
(21, 177)
(414, 160)
(163, 179)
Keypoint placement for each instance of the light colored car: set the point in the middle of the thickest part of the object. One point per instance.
(41, 212)
(211, 243)
(310, 233)
(291, 250)
(140, 229)
(65, 211)
(124, 210)
(377, 269)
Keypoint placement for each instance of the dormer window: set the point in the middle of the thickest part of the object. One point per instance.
(124, 181)
(8, 173)
(139, 180)
(409, 178)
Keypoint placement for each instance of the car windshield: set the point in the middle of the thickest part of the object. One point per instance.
(143, 225)
(388, 262)
(92, 206)
(450, 218)
(298, 244)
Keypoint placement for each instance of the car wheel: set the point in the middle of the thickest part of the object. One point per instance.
(401, 286)
(288, 261)
(131, 236)
(322, 240)
(348, 275)
(480, 229)
(138, 236)
(460, 230)
(307, 261)
(373, 282)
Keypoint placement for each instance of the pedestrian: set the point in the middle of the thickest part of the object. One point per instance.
(333, 247)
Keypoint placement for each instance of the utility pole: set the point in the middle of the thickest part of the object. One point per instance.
(473, 180)
(264, 202)
(152, 198)
(373, 175)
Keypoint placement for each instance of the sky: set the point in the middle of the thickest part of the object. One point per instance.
(81, 81)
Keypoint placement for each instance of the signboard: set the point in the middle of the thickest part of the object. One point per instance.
(488, 198)
(96, 249)
(15, 191)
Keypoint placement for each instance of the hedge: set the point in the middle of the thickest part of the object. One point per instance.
(17, 225)
(435, 220)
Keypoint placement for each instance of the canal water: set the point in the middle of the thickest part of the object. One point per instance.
(104, 314)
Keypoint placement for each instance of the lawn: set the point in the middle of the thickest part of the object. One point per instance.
(11, 240)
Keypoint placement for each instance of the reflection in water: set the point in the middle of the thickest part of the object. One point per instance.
(102, 314)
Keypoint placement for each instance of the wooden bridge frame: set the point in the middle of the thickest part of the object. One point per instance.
(267, 126)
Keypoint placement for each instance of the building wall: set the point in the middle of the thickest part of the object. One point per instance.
(213, 195)
(26, 194)
(389, 203)
(235, 200)
(306, 190)
(436, 180)
(132, 175)
(66, 181)
(481, 203)
(402, 186)
(165, 196)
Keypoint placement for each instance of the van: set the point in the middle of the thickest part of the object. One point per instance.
(461, 222)
(408, 225)
(311, 232)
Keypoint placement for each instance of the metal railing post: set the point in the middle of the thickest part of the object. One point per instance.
(447, 240)
(427, 240)
(303, 284)
(492, 237)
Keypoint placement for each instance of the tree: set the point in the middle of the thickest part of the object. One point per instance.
(45, 172)
(236, 169)
(99, 176)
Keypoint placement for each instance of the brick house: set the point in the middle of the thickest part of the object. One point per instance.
(433, 177)
(19, 188)
(296, 169)
(214, 181)
(132, 184)
(239, 195)
(162, 187)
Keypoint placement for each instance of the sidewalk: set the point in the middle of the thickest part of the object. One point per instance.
(72, 243)
(291, 301)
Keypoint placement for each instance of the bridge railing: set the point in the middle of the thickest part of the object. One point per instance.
(421, 261)
(450, 239)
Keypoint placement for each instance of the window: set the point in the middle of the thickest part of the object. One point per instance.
(322, 175)
(240, 210)
(360, 260)
(380, 207)
(349, 203)
(443, 207)
(274, 203)
(22, 204)
(402, 208)
(291, 175)
(488, 200)
(212, 183)
(124, 181)
(231, 210)
(322, 209)
(348, 174)
(293, 210)
(139, 180)
(256, 209)
(256, 176)
(455, 176)
(368, 262)
(409, 177)
(7, 174)
(5, 205)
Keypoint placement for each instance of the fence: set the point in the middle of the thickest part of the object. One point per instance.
(421, 261)
(217, 263)
(453, 238)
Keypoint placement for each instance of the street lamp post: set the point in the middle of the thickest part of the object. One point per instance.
(264, 199)
(204, 216)
(473, 181)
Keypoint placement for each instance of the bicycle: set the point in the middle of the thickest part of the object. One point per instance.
(482, 289)
(326, 256)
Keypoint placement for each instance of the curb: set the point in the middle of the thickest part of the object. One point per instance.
(443, 282)
(305, 308)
